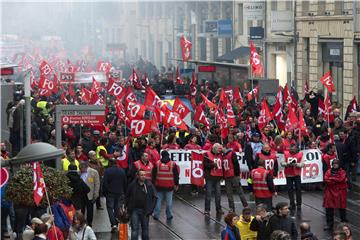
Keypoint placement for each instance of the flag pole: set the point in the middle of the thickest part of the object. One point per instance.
(49, 206)
(162, 135)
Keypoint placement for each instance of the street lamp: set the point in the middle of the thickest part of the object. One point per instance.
(33, 153)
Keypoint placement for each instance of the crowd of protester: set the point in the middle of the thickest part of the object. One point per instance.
(92, 166)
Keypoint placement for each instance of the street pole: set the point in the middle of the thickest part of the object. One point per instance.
(27, 108)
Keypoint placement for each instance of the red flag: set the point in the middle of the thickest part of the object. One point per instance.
(287, 98)
(45, 68)
(229, 93)
(193, 84)
(70, 67)
(302, 124)
(46, 83)
(120, 111)
(130, 95)
(103, 66)
(223, 100)
(140, 127)
(230, 115)
(135, 110)
(277, 113)
(180, 108)
(39, 183)
(115, 89)
(197, 169)
(254, 93)
(172, 119)
(328, 110)
(237, 96)
(321, 107)
(328, 82)
(208, 103)
(44, 92)
(255, 62)
(353, 106)
(265, 115)
(185, 48)
(135, 80)
(122, 159)
(153, 100)
(292, 121)
(145, 80)
(200, 116)
(178, 77)
(95, 88)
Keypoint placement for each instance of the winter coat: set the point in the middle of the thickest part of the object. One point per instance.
(286, 224)
(80, 189)
(154, 155)
(114, 181)
(335, 189)
(85, 233)
(131, 196)
(260, 228)
(230, 233)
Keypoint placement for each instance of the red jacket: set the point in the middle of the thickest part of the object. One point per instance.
(260, 186)
(191, 146)
(154, 155)
(208, 145)
(327, 160)
(82, 157)
(235, 146)
(270, 161)
(147, 168)
(286, 144)
(228, 166)
(53, 232)
(335, 189)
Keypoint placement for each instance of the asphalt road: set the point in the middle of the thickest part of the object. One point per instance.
(189, 222)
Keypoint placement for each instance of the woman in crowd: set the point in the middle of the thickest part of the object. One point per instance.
(79, 230)
(231, 232)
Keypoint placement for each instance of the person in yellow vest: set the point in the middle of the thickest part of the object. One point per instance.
(102, 153)
(46, 107)
(70, 159)
(244, 225)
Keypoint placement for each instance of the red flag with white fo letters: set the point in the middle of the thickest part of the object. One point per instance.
(197, 169)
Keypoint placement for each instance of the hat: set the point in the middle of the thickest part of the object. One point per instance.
(36, 221)
(255, 134)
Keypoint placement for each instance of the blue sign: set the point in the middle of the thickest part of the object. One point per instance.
(256, 33)
(225, 28)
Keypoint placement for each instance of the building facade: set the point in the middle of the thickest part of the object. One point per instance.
(328, 40)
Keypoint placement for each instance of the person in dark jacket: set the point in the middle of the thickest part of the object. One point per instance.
(259, 223)
(282, 221)
(166, 181)
(140, 202)
(87, 142)
(79, 187)
(306, 233)
(114, 189)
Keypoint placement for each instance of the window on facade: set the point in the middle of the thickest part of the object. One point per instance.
(273, 5)
(321, 7)
(288, 5)
(241, 19)
(339, 7)
(305, 8)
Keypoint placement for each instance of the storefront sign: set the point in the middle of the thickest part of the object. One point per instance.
(254, 10)
(282, 21)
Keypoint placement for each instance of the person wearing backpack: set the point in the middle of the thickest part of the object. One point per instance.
(80, 230)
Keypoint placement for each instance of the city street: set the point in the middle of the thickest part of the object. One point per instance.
(189, 222)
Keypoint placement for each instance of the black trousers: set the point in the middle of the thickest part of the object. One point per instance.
(292, 182)
(330, 212)
(89, 206)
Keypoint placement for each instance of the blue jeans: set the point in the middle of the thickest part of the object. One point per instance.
(138, 217)
(113, 203)
(212, 185)
(167, 195)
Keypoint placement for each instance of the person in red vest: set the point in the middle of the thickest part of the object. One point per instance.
(262, 185)
(329, 156)
(270, 159)
(143, 164)
(165, 175)
(293, 164)
(335, 193)
(233, 144)
(231, 169)
(213, 173)
(152, 152)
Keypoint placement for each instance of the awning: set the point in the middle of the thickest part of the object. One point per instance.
(234, 54)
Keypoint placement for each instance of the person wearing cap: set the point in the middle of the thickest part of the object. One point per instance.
(251, 149)
(165, 176)
(87, 142)
(54, 233)
(29, 232)
(91, 177)
(335, 193)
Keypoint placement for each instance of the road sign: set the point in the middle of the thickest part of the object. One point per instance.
(4, 177)
(84, 119)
